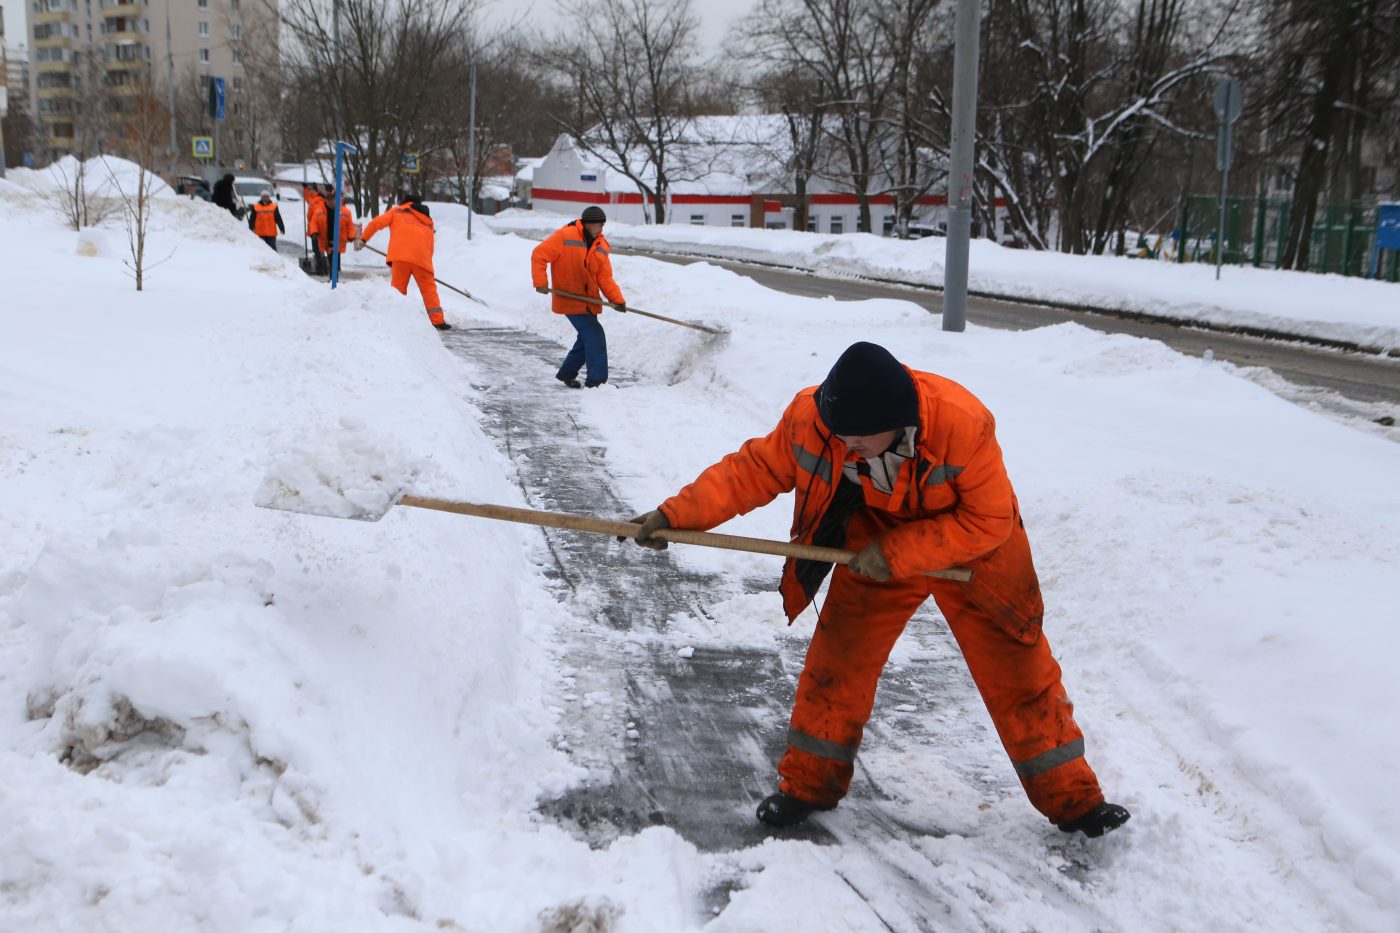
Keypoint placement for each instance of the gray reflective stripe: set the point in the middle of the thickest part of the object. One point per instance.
(603, 251)
(812, 463)
(941, 474)
(1041, 763)
(821, 747)
(575, 243)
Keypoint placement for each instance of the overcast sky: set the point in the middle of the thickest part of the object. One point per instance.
(715, 17)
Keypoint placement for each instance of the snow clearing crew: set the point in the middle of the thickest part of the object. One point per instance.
(315, 227)
(265, 220)
(410, 252)
(904, 468)
(577, 257)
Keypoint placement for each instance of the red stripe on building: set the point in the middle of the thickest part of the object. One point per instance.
(619, 197)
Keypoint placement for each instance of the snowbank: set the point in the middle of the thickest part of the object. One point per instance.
(1330, 307)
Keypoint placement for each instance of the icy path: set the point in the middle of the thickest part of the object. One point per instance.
(691, 743)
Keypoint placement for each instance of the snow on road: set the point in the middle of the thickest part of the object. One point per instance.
(219, 717)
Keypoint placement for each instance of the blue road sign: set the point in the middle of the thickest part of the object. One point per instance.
(28, 160)
(203, 147)
(1387, 233)
(218, 98)
(410, 163)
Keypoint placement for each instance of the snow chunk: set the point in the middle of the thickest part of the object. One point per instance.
(351, 474)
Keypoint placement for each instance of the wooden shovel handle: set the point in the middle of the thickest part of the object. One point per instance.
(632, 310)
(605, 526)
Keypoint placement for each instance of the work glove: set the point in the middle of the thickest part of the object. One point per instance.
(621, 306)
(542, 289)
(652, 521)
(359, 244)
(870, 562)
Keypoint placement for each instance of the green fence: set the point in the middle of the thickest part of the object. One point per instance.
(1256, 231)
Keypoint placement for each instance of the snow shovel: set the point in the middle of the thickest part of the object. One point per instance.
(616, 529)
(632, 310)
(461, 291)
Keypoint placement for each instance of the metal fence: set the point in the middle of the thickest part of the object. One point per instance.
(1256, 231)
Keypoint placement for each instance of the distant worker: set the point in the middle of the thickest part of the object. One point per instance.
(577, 257)
(410, 253)
(903, 467)
(223, 196)
(315, 227)
(347, 227)
(265, 220)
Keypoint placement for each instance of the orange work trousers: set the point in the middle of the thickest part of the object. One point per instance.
(1010, 662)
(399, 274)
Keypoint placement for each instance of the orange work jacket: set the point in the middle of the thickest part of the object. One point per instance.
(575, 267)
(315, 216)
(347, 226)
(264, 218)
(950, 504)
(410, 235)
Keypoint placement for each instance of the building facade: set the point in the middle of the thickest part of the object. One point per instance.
(87, 55)
(741, 182)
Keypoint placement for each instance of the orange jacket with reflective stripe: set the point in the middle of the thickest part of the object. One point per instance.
(410, 235)
(264, 218)
(951, 504)
(575, 267)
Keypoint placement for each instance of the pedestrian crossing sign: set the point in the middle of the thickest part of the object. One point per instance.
(203, 147)
(410, 163)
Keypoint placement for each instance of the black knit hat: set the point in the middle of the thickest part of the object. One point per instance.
(867, 392)
(594, 215)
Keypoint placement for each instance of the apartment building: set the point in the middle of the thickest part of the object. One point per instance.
(90, 53)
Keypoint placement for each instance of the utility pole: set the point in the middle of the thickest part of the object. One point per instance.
(170, 83)
(960, 169)
(471, 157)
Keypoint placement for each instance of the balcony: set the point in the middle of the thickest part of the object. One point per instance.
(120, 8)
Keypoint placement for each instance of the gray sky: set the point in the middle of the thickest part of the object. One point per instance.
(715, 17)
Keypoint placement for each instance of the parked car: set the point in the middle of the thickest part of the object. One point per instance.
(193, 186)
(248, 188)
(919, 231)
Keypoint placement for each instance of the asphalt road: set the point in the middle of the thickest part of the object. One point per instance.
(1359, 385)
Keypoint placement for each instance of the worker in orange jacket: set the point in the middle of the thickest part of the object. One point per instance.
(902, 467)
(577, 257)
(410, 253)
(316, 227)
(265, 220)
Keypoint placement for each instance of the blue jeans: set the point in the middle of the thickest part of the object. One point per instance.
(591, 346)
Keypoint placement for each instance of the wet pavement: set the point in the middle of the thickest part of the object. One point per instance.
(692, 743)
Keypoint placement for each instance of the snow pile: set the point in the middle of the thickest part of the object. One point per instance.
(351, 474)
(102, 176)
(1330, 307)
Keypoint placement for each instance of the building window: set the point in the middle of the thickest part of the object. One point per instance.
(203, 28)
(811, 223)
(237, 57)
(237, 31)
(202, 4)
(838, 225)
(233, 4)
(204, 56)
(697, 220)
(237, 82)
(738, 220)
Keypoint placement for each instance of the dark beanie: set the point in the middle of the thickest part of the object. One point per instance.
(867, 392)
(594, 215)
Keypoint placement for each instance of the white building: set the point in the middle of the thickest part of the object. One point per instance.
(730, 172)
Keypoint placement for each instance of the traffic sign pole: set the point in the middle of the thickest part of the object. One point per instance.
(1229, 102)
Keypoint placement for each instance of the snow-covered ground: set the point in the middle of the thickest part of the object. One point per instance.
(220, 717)
(1332, 307)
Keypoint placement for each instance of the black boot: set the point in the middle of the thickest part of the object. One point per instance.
(443, 326)
(1101, 819)
(593, 383)
(569, 381)
(781, 810)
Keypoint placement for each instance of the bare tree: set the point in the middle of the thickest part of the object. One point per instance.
(1334, 62)
(143, 129)
(626, 65)
(380, 80)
